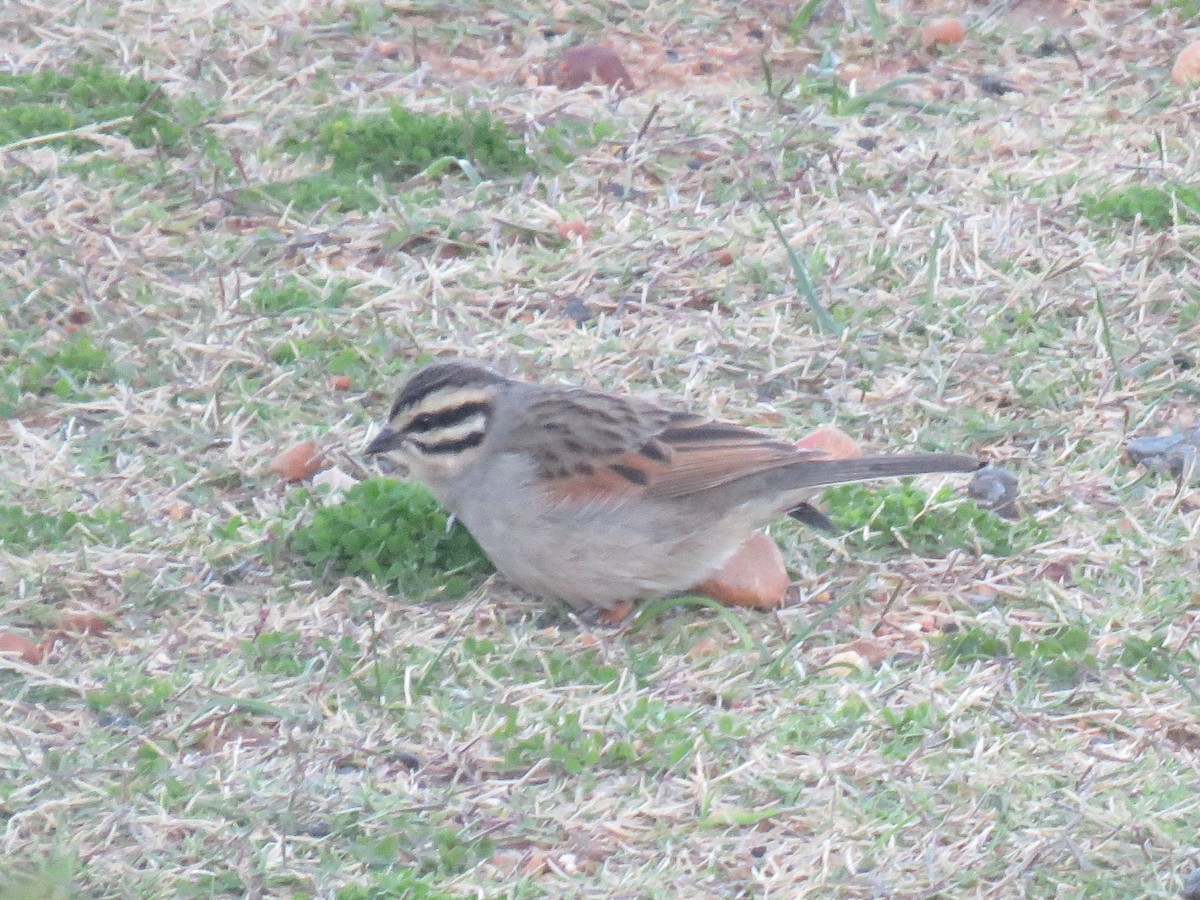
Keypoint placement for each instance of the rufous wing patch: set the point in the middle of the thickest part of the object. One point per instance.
(594, 446)
(620, 478)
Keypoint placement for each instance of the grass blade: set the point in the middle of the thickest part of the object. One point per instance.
(801, 19)
(804, 285)
(1106, 336)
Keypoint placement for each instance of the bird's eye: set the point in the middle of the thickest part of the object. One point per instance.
(422, 422)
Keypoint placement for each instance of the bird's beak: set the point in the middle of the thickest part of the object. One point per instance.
(388, 439)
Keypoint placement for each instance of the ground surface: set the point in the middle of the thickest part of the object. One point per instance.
(1005, 278)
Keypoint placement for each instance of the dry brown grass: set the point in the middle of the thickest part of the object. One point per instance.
(248, 729)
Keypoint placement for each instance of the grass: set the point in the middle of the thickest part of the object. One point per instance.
(906, 516)
(23, 529)
(396, 534)
(401, 142)
(41, 104)
(949, 705)
(392, 146)
(1155, 207)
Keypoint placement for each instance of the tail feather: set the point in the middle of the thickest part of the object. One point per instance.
(865, 468)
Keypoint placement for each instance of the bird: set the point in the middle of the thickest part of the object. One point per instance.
(600, 499)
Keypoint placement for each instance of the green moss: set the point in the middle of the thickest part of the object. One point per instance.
(290, 293)
(64, 371)
(23, 529)
(1060, 655)
(401, 143)
(394, 533)
(904, 515)
(338, 190)
(42, 103)
(1157, 207)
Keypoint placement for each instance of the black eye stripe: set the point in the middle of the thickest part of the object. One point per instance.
(447, 418)
(474, 439)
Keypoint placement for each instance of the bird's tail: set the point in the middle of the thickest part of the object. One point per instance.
(815, 473)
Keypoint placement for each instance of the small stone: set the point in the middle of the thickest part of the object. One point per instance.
(1191, 887)
(591, 62)
(831, 441)
(14, 645)
(85, 623)
(942, 31)
(578, 311)
(297, 462)
(992, 84)
(754, 576)
(1177, 454)
(574, 228)
(997, 489)
(1187, 65)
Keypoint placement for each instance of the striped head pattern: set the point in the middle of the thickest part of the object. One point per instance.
(441, 414)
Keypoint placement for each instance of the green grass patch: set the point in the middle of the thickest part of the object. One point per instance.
(904, 515)
(23, 529)
(291, 293)
(402, 884)
(1157, 207)
(400, 143)
(395, 145)
(1062, 655)
(340, 191)
(52, 878)
(134, 694)
(40, 103)
(417, 851)
(64, 371)
(649, 735)
(394, 533)
(1185, 9)
(567, 138)
(1148, 656)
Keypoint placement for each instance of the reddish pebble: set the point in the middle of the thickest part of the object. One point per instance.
(85, 623)
(942, 31)
(297, 462)
(15, 645)
(831, 441)
(591, 62)
(617, 613)
(340, 382)
(724, 258)
(1187, 65)
(755, 576)
(574, 228)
